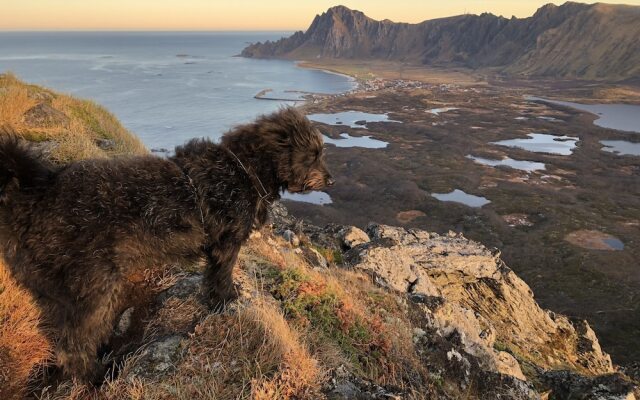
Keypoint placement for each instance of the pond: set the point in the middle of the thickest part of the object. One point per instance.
(355, 141)
(594, 240)
(543, 143)
(621, 147)
(352, 119)
(458, 196)
(623, 117)
(522, 165)
(438, 111)
(319, 198)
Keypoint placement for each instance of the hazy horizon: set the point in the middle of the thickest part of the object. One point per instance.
(242, 15)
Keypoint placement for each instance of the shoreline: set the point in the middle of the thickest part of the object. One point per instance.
(573, 90)
(308, 65)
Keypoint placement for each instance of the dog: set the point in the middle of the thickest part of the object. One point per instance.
(71, 235)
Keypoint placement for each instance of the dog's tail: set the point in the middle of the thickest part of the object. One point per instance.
(20, 165)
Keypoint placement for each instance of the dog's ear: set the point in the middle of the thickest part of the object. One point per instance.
(296, 127)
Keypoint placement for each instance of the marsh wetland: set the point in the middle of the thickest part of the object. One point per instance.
(534, 178)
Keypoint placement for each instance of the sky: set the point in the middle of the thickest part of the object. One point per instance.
(280, 15)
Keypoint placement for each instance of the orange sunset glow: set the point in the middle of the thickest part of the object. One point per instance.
(236, 15)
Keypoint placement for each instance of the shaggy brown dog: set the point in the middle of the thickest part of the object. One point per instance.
(72, 235)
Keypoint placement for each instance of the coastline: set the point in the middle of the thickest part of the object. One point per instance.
(308, 65)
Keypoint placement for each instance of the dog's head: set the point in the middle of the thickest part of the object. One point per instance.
(302, 168)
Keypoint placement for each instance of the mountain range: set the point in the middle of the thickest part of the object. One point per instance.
(574, 40)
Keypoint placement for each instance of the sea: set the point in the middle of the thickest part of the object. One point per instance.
(165, 87)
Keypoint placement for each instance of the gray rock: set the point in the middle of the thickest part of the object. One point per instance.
(106, 144)
(45, 148)
(124, 323)
(568, 385)
(314, 258)
(183, 288)
(157, 359)
(291, 237)
(351, 237)
(43, 115)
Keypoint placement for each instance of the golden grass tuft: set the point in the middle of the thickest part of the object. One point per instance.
(22, 344)
(250, 354)
(74, 138)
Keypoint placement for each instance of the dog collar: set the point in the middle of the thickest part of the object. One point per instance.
(252, 177)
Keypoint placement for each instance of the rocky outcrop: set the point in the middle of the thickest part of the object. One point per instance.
(475, 322)
(573, 40)
(467, 289)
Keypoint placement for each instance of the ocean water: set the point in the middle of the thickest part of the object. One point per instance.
(166, 87)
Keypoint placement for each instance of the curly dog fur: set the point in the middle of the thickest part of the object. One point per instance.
(71, 235)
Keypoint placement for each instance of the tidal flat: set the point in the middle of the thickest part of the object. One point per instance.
(581, 188)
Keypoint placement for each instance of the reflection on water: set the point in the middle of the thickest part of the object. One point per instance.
(594, 240)
(352, 119)
(621, 147)
(543, 143)
(458, 196)
(522, 165)
(614, 243)
(438, 111)
(624, 117)
(550, 119)
(355, 141)
(320, 198)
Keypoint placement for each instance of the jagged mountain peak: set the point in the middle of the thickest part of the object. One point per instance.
(522, 46)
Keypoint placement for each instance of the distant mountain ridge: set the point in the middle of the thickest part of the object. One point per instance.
(575, 40)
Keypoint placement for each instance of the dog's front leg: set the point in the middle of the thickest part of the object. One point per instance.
(218, 281)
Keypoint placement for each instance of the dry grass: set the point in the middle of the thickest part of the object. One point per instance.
(281, 343)
(344, 319)
(22, 344)
(250, 354)
(74, 135)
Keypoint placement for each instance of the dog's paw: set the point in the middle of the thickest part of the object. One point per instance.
(218, 301)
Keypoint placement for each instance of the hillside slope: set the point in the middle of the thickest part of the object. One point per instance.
(573, 40)
(63, 127)
(331, 312)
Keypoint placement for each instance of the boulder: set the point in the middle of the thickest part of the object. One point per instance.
(106, 144)
(291, 237)
(314, 258)
(43, 115)
(351, 237)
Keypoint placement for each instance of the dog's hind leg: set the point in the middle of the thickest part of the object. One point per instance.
(90, 325)
(218, 280)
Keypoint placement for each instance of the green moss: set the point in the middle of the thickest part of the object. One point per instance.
(333, 256)
(500, 346)
(437, 380)
(35, 136)
(87, 116)
(321, 310)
